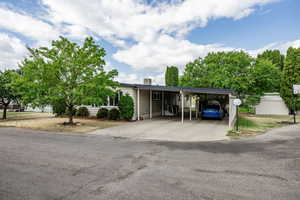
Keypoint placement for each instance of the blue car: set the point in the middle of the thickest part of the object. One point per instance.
(212, 112)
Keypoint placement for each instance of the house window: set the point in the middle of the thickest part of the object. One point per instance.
(114, 101)
(156, 96)
(118, 97)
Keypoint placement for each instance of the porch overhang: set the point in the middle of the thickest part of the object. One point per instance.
(194, 90)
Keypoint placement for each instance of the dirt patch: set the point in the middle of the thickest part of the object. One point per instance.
(48, 122)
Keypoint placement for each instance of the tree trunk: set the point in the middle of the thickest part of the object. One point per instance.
(71, 122)
(4, 112)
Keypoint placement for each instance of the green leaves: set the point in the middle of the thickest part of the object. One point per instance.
(7, 93)
(172, 76)
(274, 56)
(220, 70)
(67, 71)
(126, 106)
(265, 76)
(291, 76)
(233, 70)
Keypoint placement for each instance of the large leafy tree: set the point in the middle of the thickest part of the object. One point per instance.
(250, 78)
(274, 56)
(220, 70)
(7, 94)
(291, 76)
(265, 77)
(172, 76)
(66, 72)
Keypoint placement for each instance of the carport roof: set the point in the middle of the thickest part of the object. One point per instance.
(178, 89)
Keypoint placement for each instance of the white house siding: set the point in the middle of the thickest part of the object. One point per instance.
(272, 104)
(92, 109)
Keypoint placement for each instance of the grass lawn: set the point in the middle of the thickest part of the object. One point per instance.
(48, 122)
(250, 125)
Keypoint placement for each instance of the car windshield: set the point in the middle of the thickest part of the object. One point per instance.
(212, 107)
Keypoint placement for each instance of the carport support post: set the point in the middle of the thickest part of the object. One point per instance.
(150, 104)
(138, 104)
(182, 106)
(162, 103)
(196, 107)
(190, 107)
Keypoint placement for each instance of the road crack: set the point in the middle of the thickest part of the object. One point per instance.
(241, 173)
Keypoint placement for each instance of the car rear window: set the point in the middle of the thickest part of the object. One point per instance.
(212, 107)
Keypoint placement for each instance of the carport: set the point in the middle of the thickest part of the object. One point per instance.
(183, 102)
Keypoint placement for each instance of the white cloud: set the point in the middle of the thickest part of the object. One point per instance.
(12, 52)
(169, 51)
(156, 32)
(141, 22)
(128, 78)
(281, 46)
(165, 51)
(26, 25)
(125, 77)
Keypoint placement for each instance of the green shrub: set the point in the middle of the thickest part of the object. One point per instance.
(59, 107)
(102, 113)
(114, 114)
(126, 107)
(82, 112)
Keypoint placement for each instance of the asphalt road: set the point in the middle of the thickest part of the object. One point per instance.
(39, 166)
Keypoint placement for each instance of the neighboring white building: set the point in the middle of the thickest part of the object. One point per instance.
(47, 109)
(271, 104)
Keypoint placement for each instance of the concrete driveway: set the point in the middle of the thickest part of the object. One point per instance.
(170, 130)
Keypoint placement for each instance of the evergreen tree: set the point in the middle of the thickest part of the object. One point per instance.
(172, 76)
(291, 76)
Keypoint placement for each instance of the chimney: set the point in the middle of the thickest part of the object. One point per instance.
(147, 81)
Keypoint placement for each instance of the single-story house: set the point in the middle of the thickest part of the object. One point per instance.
(166, 101)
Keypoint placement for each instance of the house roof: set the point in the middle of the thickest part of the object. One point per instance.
(178, 89)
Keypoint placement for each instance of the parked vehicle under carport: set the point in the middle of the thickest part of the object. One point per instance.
(212, 110)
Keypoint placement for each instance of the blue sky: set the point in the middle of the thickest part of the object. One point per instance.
(271, 23)
(142, 37)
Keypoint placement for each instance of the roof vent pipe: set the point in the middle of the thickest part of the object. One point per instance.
(147, 81)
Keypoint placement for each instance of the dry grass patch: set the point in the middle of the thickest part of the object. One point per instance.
(250, 125)
(48, 122)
